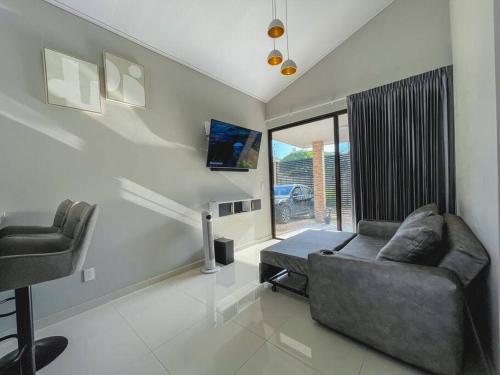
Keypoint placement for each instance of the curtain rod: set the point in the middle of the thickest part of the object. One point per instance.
(330, 102)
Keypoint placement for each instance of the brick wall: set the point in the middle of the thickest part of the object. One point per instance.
(319, 180)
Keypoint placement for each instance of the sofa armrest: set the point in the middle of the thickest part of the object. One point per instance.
(385, 229)
(412, 312)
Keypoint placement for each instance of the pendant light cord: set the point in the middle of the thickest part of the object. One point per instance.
(273, 16)
(273, 5)
(286, 29)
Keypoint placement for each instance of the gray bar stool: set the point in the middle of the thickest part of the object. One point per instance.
(28, 258)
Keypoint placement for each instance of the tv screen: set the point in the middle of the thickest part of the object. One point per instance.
(232, 147)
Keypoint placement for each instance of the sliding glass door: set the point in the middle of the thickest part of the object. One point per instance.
(311, 176)
(344, 170)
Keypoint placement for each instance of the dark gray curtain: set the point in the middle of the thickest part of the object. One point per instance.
(402, 146)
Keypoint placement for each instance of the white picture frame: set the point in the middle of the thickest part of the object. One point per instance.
(71, 82)
(125, 81)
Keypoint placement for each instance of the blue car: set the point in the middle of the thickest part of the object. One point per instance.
(292, 201)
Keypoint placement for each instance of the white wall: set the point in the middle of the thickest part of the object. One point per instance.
(407, 38)
(144, 167)
(476, 129)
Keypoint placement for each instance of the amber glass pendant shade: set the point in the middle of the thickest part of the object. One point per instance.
(288, 68)
(275, 57)
(276, 29)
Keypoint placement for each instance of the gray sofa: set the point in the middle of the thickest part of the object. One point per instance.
(413, 312)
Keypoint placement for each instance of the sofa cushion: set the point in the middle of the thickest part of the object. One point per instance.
(465, 255)
(418, 242)
(383, 229)
(291, 254)
(363, 247)
(421, 212)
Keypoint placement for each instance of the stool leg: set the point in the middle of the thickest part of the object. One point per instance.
(35, 355)
(25, 329)
(48, 349)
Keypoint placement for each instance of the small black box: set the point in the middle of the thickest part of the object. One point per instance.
(224, 250)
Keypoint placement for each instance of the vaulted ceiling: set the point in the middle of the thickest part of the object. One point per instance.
(226, 39)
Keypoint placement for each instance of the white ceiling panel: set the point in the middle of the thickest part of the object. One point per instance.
(227, 39)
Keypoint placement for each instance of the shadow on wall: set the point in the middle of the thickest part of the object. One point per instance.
(24, 115)
(158, 203)
(132, 129)
(128, 124)
(125, 123)
(240, 180)
(140, 134)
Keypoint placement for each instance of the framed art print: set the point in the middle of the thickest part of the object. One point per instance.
(71, 82)
(125, 81)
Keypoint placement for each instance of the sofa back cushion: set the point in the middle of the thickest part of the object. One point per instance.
(465, 255)
(417, 241)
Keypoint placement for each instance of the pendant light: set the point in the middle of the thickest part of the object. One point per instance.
(275, 57)
(289, 67)
(276, 27)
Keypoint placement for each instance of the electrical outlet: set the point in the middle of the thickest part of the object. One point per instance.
(88, 274)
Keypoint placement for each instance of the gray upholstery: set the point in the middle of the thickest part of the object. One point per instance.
(83, 237)
(296, 263)
(363, 247)
(291, 254)
(424, 211)
(418, 241)
(61, 213)
(412, 312)
(27, 244)
(384, 229)
(31, 259)
(75, 219)
(59, 219)
(465, 255)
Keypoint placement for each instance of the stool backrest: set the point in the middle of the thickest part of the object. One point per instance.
(76, 214)
(62, 213)
(83, 236)
(79, 226)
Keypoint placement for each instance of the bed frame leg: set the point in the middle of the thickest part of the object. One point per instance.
(267, 271)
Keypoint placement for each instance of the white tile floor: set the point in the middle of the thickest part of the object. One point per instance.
(218, 324)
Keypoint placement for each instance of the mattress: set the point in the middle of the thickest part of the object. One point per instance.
(291, 254)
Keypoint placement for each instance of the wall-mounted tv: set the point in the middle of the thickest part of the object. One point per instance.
(232, 147)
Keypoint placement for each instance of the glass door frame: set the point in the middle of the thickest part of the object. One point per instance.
(338, 199)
